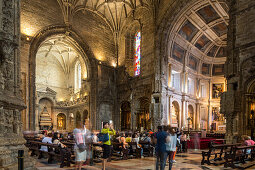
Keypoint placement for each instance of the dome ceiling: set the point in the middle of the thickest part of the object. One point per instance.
(202, 35)
(206, 29)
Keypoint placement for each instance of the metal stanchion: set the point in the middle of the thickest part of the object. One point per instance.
(21, 160)
(92, 156)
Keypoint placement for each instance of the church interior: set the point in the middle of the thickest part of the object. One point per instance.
(189, 64)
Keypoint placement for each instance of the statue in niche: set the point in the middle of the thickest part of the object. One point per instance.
(217, 90)
(216, 116)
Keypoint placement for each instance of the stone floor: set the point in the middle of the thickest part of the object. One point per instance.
(184, 161)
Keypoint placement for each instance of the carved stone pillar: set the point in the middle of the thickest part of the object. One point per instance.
(11, 103)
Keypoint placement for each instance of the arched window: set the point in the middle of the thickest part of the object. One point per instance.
(77, 77)
(137, 53)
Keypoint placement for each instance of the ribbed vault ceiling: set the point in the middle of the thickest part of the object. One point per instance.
(60, 50)
(114, 12)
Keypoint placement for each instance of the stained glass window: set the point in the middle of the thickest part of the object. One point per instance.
(137, 53)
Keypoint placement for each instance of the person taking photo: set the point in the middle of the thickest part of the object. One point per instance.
(107, 129)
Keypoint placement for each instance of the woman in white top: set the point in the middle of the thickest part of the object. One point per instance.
(79, 137)
(171, 142)
(47, 139)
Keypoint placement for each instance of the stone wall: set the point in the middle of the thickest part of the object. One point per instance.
(11, 103)
(239, 69)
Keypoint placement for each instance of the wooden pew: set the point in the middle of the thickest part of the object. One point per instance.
(147, 151)
(97, 152)
(218, 151)
(136, 151)
(54, 153)
(240, 157)
(119, 151)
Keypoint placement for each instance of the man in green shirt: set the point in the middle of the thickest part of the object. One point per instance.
(108, 129)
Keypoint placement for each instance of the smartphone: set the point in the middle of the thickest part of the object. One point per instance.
(110, 122)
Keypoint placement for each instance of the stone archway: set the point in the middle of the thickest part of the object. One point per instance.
(74, 41)
(250, 110)
(125, 116)
(143, 120)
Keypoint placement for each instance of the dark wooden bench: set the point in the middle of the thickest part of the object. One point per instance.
(219, 152)
(240, 157)
(134, 150)
(54, 152)
(119, 152)
(97, 153)
(147, 151)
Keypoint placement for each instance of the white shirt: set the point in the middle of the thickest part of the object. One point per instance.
(46, 140)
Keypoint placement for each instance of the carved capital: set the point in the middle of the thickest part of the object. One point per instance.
(6, 50)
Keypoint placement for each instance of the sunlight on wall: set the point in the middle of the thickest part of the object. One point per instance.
(27, 29)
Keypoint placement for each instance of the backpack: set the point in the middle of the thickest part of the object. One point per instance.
(103, 137)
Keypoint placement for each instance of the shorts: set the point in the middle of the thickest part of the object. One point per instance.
(80, 156)
(106, 151)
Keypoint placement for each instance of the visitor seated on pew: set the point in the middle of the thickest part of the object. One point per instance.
(146, 138)
(47, 139)
(135, 138)
(41, 135)
(123, 141)
(56, 140)
(116, 138)
(128, 138)
(248, 142)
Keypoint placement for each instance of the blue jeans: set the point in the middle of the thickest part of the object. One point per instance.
(161, 160)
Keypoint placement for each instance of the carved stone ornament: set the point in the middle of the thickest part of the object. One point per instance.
(7, 50)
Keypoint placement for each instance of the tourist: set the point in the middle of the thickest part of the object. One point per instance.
(56, 140)
(184, 142)
(128, 138)
(47, 139)
(171, 143)
(135, 138)
(196, 141)
(161, 148)
(88, 141)
(94, 137)
(123, 140)
(80, 146)
(248, 142)
(150, 132)
(146, 139)
(107, 129)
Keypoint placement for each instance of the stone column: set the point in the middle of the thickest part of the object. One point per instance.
(209, 108)
(170, 109)
(11, 102)
(169, 75)
(197, 120)
(133, 114)
(37, 116)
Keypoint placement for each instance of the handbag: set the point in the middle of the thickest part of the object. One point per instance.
(81, 147)
(103, 137)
